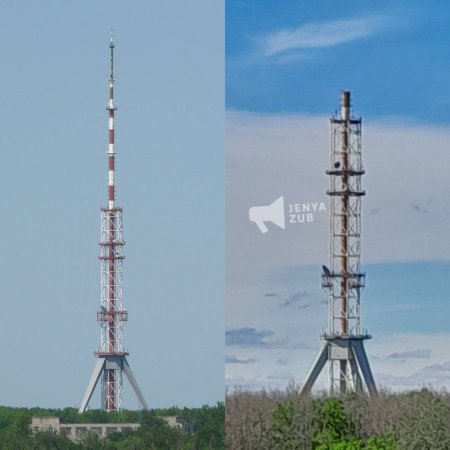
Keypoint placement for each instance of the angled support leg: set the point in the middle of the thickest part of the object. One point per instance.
(356, 377)
(92, 384)
(360, 356)
(133, 382)
(316, 368)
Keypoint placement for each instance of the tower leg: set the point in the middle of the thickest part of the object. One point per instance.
(356, 377)
(331, 380)
(129, 374)
(105, 366)
(316, 368)
(342, 376)
(347, 361)
(92, 384)
(360, 356)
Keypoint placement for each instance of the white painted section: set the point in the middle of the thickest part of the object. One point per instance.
(111, 123)
(111, 148)
(111, 177)
(111, 204)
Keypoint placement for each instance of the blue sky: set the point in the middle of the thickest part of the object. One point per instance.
(286, 63)
(53, 176)
(293, 56)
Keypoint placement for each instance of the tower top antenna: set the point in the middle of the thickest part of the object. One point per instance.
(111, 46)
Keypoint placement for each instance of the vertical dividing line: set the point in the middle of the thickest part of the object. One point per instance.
(344, 212)
(345, 116)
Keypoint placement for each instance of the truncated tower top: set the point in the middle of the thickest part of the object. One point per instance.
(344, 279)
(343, 342)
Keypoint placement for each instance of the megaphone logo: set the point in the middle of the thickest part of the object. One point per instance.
(272, 213)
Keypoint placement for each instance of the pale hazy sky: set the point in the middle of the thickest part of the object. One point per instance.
(169, 139)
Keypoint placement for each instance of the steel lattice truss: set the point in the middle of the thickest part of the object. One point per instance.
(345, 280)
(111, 315)
(112, 395)
(343, 345)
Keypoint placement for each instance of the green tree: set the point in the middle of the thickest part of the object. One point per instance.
(381, 443)
(334, 424)
(283, 433)
(350, 444)
(51, 441)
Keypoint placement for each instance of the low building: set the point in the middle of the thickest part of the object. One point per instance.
(75, 431)
(177, 422)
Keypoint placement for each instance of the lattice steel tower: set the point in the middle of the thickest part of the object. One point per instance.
(112, 361)
(343, 345)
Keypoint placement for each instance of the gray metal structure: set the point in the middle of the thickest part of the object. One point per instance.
(106, 363)
(343, 343)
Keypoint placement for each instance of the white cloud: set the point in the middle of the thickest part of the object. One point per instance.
(272, 155)
(411, 373)
(322, 34)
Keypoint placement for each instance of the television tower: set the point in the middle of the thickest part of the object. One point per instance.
(343, 345)
(112, 357)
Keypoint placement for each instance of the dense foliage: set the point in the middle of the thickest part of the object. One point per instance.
(418, 420)
(154, 434)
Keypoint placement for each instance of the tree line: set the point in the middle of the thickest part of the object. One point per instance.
(416, 420)
(154, 433)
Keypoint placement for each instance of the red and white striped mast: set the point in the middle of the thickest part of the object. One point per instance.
(112, 361)
(111, 108)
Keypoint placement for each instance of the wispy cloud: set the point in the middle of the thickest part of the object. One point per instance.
(321, 34)
(419, 354)
(280, 376)
(293, 298)
(235, 360)
(433, 375)
(247, 337)
(425, 209)
(282, 361)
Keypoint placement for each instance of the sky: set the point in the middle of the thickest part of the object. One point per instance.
(53, 176)
(291, 56)
(286, 64)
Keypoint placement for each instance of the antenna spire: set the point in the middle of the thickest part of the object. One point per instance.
(111, 46)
